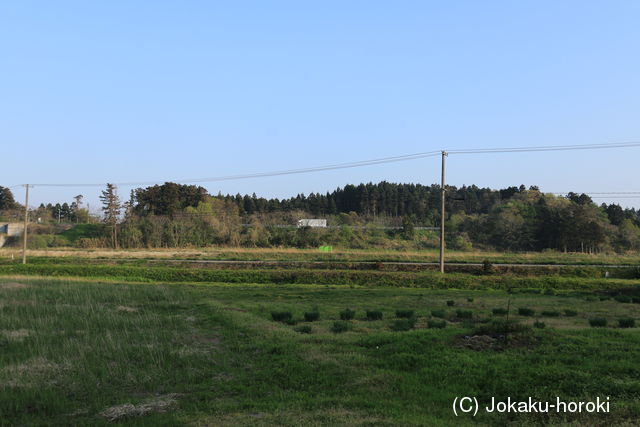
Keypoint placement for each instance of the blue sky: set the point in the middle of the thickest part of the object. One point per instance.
(123, 91)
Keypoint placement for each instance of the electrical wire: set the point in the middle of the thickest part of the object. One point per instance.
(362, 163)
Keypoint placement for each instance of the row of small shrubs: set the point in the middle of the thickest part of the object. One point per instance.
(627, 299)
(524, 311)
(601, 322)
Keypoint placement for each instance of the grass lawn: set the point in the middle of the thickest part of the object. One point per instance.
(89, 353)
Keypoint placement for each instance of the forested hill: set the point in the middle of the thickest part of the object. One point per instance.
(418, 201)
(514, 218)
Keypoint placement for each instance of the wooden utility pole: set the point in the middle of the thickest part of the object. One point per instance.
(26, 221)
(444, 155)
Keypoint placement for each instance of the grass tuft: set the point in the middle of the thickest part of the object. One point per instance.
(347, 314)
(598, 322)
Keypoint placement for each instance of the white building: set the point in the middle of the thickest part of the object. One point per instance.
(315, 223)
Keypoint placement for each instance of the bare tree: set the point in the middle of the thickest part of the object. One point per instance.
(111, 208)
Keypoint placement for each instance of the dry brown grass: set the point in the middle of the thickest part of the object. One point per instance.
(15, 335)
(13, 285)
(157, 404)
(126, 309)
(37, 370)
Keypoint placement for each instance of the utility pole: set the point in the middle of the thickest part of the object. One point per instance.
(26, 221)
(444, 155)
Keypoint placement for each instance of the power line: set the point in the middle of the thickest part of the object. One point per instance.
(545, 148)
(362, 163)
(273, 173)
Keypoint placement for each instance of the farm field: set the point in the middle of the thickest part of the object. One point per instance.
(347, 255)
(86, 351)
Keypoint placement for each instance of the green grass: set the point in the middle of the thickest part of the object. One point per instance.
(350, 255)
(72, 349)
(80, 231)
(426, 279)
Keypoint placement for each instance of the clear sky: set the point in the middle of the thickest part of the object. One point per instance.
(117, 91)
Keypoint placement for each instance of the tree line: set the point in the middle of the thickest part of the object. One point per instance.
(381, 215)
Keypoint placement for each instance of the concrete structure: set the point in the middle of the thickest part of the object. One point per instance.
(315, 223)
(9, 229)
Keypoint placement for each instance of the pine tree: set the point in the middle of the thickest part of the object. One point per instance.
(111, 208)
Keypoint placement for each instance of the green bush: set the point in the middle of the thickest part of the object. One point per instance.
(538, 324)
(439, 313)
(469, 299)
(570, 313)
(304, 329)
(605, 298)
(347, 314)
(340, 326)
(502, 327)
(403, 324)
(311, 316)
(524, 311)
(623, 299)
(598, 322)
(281, 316)
(635, 300)
(451, 303)
(550, 313)
(404, 313)
(464, 314)
(500, 311)
(374, 315)
(436, 324)
(627, 322)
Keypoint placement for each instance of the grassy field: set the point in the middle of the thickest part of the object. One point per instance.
(91, 352)
(349, 255)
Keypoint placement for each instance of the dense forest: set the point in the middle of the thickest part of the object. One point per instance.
(367, 215)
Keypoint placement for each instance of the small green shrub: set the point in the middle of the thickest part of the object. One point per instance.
(635, 300)
(407, 314)
(451, 303)
(464, 314)
(469, 299)
(538, 324)
(347, 314)
(340, 326)
(468, 323)
(487, 267)
(374, 315)
(502, 327)
(598, 322)
(570, 313)
(439, 313)
(605, 298)
(623, 299)
(524, 311)
(311, 316)
(500, 311)
(436, 324)
(403, 324)
(304, 329)
(281, 316)
(627, 322)
(290, 322)
(590, 299)
(549, 313)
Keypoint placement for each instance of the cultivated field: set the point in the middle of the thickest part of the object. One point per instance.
(88, 351)
(353, 255)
